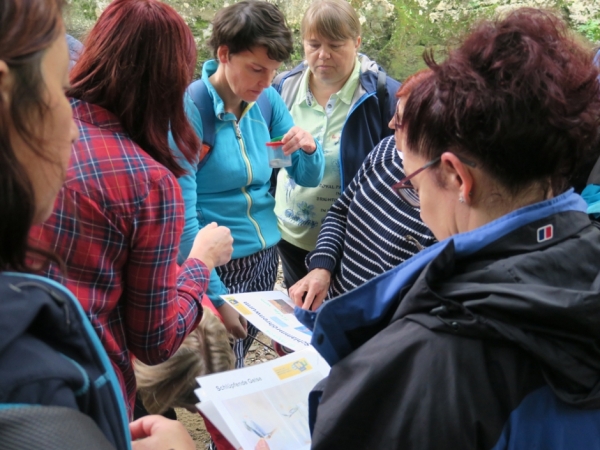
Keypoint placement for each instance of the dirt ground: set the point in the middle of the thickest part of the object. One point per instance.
(258, 353)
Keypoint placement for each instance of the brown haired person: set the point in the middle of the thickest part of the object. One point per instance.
(489, 338)
(346, 101)
(234, 103)
(118, 219)
(59, 390)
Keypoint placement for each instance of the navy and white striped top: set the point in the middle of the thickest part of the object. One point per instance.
(369, 229)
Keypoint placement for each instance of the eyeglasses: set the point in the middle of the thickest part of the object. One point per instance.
(406, 190)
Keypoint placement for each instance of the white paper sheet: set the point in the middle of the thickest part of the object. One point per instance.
(268, 401)
(272, 312)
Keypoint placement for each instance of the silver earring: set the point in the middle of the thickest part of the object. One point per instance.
(461, 198)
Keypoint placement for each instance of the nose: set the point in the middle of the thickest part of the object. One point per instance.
(265, 80)
(392, 123)
(323, 53)
(73, 132)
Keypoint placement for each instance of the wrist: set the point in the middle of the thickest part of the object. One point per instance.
(206, 260)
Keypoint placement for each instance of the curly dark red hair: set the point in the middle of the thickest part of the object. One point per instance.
(138, 60)
(520, 96)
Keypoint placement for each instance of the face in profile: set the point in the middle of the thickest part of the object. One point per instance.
(46, 166)
(248, 73)
(330, 61)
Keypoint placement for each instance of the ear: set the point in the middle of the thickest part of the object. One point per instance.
(458, 176)
(6, 80)
(223, 54)
(358, 42)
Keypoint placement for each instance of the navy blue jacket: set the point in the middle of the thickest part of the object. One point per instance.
(486, 340)
(51, 356)
(365, 125)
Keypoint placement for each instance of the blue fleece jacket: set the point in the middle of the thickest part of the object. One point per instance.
(232, 187)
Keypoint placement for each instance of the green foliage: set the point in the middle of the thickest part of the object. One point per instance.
(591, 29)
(396, 40)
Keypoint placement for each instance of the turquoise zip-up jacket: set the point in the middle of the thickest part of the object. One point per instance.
(232, 187)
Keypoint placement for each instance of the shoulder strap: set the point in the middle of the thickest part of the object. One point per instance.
(266, 109)
(199, 95)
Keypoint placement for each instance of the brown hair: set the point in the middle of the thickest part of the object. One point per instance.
(332, 19)
(520, 96)
(249, 24)
(137, 63)
(171, 384)
(27, 29)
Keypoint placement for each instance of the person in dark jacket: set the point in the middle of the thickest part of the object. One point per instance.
(58, 387)
(345, 100)
(488, 339)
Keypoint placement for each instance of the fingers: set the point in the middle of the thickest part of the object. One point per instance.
(239, 331)
(154, 432)
(244, 323)
(141, 428)
(296, 293)
(262, 445)
(297, 138)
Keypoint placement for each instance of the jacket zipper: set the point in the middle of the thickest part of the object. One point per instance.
(238, 135)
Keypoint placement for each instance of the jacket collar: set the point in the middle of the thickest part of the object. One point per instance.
(95, 115)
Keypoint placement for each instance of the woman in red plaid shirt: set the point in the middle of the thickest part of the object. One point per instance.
(118, 219)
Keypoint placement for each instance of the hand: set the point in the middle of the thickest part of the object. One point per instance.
(233, 321)
(213, 245)
(298, 138)
(158, 433)
(310, 291)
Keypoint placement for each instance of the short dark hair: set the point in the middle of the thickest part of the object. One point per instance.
(520, 96)
(249, 24)
(138, 60)
(27, 29)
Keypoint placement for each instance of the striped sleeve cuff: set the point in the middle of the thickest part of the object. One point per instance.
(322, 261)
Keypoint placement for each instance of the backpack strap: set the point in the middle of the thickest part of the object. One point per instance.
(266, 109)
(198, 92)
(199, 95)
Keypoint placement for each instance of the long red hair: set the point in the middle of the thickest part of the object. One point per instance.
(138, 60)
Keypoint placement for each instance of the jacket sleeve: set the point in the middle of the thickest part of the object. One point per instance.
(306, 170)
(330, 243)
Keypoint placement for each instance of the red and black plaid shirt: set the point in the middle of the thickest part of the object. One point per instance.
(117, 223)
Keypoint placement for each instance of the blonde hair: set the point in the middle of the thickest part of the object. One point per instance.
(171, 384)
(331, 19)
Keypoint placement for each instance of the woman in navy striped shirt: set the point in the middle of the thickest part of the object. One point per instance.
(369, 229)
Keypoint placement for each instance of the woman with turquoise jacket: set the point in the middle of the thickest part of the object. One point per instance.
(230, 182)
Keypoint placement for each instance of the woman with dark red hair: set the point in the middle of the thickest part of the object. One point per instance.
(118, 219)
(489, 338)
